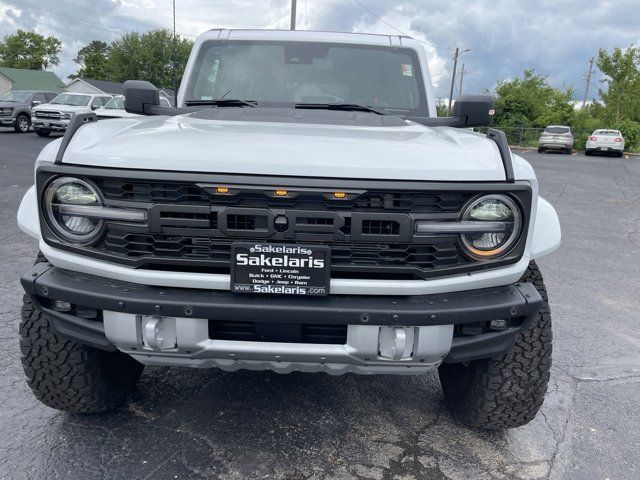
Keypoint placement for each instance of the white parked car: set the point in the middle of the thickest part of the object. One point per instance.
(55, 115)
(114, 108)
(605, 141)
(302, 209)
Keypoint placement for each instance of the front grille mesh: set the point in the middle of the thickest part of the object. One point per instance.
(184, 193)
(441, 254)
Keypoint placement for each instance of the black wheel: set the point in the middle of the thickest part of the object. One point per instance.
(22, 123)
(540, 149)
(69, 376)
(588, 153)
(43, 133)
(619, 154)
(505, 392)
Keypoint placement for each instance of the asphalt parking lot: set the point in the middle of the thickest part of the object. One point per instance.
(209, 424)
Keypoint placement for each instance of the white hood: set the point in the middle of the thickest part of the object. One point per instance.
(59, 107)
(185, 144)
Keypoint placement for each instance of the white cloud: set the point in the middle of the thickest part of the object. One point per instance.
(505, 36)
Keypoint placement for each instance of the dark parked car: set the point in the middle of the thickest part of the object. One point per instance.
(15, 108)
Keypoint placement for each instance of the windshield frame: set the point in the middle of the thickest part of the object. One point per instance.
(53, 101)
(422, 110)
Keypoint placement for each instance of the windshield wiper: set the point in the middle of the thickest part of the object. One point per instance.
(344, 107)
(222, 102)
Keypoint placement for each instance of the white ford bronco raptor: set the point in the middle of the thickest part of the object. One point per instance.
(302, 208)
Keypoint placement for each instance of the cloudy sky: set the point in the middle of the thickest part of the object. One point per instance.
(556, 37)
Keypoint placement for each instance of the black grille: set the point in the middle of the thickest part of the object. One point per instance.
(371, 231)
(380, 227)
(152, 192)
(278, 332)
(189, 193)
(344, 255)
(47, 114)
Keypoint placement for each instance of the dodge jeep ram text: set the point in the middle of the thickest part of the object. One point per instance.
(302, 208)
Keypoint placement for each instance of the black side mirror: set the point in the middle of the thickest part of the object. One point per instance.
(139, 95)
(477, 109)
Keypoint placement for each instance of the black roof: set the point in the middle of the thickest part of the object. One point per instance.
(113, 88)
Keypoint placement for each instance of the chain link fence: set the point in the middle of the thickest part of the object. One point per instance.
(528, 137)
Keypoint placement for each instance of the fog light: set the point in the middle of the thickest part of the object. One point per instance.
(396, 343)
(61, 306)
(499, 324)
(159, 333)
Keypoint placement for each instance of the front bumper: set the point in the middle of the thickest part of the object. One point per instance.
(52, 125)
(428, 329)
(7, 121)
(604, 148)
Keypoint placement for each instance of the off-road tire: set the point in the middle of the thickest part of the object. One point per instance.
(43, 133)
(19, 126)
(67, 375)
(506, 392)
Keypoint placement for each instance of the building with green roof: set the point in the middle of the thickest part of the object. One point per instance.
(22, 79)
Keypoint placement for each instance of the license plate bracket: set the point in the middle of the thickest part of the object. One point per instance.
(280, 269)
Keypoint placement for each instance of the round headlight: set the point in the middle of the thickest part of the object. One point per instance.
(504, 223)
(60, 197)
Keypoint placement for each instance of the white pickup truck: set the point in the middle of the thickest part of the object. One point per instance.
(56, 115)
(301, 209)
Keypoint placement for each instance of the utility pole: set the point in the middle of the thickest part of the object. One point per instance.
(293, 14)
(588, 79)
(175, 77)
(453, 77)
(462, 72)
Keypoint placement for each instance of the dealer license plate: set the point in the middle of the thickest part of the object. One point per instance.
(280, 269)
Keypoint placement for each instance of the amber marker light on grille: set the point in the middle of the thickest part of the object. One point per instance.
(339, 195)
(222, 189)
(281, 193)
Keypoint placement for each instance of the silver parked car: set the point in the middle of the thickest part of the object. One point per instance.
(556, 137)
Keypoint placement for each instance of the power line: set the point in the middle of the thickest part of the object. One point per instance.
(382, 20)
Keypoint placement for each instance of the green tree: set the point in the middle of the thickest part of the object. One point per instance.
(531, 102)
(29, 50)
(93, 60)
(622, 78)
(148, 56)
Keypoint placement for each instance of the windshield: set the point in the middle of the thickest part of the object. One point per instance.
(301, 72)
(607, 133)
(557, 130)
(116, 103)
(15, 97)
(70, 99)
